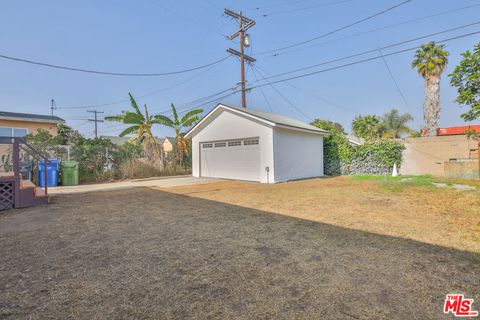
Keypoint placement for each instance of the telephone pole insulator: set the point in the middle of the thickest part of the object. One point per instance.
(244, 24)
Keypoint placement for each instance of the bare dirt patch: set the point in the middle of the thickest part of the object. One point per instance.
(441, 216)
(151, 254)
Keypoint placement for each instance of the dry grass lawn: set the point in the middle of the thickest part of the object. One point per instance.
(317, 249)
(440, 216)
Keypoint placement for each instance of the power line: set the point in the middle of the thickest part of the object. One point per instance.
(140, 96)
(377, 29)
(314, 95)
(356, 62)
(375, 50)
(185, 18)
(338, 29)
(112, 73)
(396, 84)
(283, 97)
(277, 4)
(263, 93)
(304, 8)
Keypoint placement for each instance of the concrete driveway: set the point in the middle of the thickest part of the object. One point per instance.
(161, 182)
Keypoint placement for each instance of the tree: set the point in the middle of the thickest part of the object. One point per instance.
(430, 61)
(141, 126)
(466, 78)
(65, 134)
(336, 148)
(328, 125)
(367, 127)
(394, 124)
(179, 124)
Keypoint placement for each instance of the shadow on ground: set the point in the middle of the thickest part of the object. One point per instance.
(144, 253)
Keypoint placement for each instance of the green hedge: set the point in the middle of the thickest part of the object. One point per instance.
(375, 157)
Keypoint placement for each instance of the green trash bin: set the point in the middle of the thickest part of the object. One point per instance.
(69, 173)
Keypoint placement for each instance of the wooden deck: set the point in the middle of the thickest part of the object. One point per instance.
(14, 191)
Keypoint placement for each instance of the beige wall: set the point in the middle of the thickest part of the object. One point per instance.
(167, 146)
(31, 126)
(466, 169)
(427, 155)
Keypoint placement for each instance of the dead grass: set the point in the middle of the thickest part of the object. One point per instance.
(151, 254)
(414, 210)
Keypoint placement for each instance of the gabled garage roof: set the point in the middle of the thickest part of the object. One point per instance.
(272, 119)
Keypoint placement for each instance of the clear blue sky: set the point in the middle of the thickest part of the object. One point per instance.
(157, 36)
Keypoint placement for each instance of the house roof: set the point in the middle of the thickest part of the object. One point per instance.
(29, 117)
(272, 119)
(170, 139)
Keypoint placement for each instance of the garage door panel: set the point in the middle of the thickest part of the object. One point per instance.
(231, 160)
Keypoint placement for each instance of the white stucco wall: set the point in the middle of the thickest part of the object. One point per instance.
(297, 155)
(228, 125)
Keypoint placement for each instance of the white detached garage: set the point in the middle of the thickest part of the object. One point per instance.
(244, 144)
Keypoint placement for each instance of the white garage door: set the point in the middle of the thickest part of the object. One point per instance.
(231, 159)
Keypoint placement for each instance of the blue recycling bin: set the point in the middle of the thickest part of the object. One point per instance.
(52, 173)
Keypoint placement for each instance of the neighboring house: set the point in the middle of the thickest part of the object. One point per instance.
(116, 140)
(250, 145)
(13, 124)
(166, 144)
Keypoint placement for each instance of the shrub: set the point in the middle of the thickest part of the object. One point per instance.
(336, 149)
(376, 157)
(97, 158)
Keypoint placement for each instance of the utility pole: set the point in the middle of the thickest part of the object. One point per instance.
(95, 120)
(53, 106)
(244, 24)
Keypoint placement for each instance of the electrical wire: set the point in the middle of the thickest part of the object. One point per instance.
(356, 62)
(314, 95)
(376, 29)
(396, 84)
(263, 93)
(376, 49)
(277, 4)
(304, 8)
(113, 73)
(141, 96)
(283, 97)
(338, 29)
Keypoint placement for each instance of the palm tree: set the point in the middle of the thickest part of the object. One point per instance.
(141, 126)
(430, 61)
(190, 118)
(394, 124)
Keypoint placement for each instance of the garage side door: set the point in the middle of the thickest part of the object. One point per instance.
(231, 159)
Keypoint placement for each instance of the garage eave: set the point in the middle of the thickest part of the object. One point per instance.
(321, 133)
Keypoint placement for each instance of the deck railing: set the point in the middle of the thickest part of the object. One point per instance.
(20, 143)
